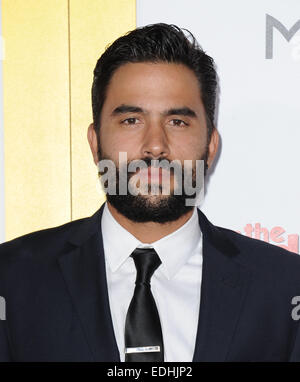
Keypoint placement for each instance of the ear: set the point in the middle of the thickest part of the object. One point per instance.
(92, 139)
(213, 147)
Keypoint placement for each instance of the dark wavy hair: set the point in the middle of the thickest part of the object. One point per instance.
(156, 43)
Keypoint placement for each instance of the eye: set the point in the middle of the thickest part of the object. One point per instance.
(130, 121)
(178, 122)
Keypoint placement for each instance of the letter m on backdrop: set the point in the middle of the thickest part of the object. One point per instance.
(272, 23)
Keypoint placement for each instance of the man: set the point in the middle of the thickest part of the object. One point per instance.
(148, 277)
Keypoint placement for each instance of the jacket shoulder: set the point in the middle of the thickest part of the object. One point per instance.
(261, 255)
(38, 242)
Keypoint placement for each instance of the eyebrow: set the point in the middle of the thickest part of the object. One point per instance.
(123, 109)
(186, 111)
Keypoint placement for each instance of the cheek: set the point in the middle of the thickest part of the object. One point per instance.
(188, 148)
(199, 144)
(114, 143)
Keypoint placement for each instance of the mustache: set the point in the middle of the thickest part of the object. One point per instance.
(133, 166)
(146, 162)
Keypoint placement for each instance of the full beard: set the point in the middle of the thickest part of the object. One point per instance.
(158, 208)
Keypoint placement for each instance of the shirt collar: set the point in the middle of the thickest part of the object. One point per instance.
(174, 249)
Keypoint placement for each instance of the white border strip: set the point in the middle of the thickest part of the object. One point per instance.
(2, 205)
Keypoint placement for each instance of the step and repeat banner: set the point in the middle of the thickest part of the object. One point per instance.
(254, 187)
(51, 47)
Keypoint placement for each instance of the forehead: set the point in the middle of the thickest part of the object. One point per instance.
(154, 85)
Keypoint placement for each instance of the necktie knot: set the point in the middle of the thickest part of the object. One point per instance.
(146, 261)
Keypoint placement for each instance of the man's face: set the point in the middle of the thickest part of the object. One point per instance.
(153, 111)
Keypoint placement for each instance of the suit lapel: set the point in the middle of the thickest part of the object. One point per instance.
(83, 268)
(223, 291)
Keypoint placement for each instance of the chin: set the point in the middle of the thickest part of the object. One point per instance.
(150, 208)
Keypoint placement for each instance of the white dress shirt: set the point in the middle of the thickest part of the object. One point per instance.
(175, 284)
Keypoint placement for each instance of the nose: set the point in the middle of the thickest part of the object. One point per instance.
(155, 142)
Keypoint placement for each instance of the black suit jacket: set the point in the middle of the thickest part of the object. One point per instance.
(57, 307)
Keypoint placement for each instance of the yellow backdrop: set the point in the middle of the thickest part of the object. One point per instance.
(51, 49)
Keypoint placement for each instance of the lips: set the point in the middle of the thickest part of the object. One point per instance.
(152, 174)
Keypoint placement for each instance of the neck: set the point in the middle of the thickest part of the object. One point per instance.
(150, 231)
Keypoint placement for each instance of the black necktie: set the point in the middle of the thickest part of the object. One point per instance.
(143, 335)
